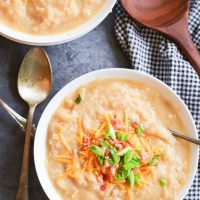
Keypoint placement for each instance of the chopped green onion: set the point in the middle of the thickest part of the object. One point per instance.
(121, 136)
(130, 179)
(115, 158)
(163, 182)
(137, 178)
(104, 144)
(113, 150)
(137, 151)
(123, 151)
(121, 162)
(139, 129)
(78, 99)
(111, 161)
(154, 160)
(122, 174)
(136, 159)
(125, 173)
(118, 177)
(111, 131)
(106, 136)
(131, 165)
(97, 150)
(128, 156)
(100, 160)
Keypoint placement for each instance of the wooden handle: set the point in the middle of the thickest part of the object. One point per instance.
(22, 192)
(180, 34)
(189, 49)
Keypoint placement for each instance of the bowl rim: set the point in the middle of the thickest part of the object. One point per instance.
(58, 38)
(88, 77)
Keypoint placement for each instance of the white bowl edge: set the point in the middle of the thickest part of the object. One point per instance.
(59, 38)
(41, 133)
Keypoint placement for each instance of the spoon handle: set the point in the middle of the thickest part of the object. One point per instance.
(184, 137)
(22, 192)
(18, 118)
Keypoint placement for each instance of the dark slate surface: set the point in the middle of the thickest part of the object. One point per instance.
(96, 50)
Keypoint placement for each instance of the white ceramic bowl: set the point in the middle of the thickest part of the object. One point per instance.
(61, 37)
(41, 133)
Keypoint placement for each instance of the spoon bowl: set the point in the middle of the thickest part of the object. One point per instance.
(34, 85)
(169, 17)
(34, 79)
(156, 13)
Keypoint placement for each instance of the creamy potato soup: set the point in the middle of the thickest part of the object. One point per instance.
(109, 139)
(47, 16)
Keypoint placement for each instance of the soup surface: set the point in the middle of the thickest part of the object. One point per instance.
(109, 140)
(44, 17)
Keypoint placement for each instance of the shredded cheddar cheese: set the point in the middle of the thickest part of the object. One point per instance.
(74, 194)
(100, 129)
(59, 129)
(114, 151)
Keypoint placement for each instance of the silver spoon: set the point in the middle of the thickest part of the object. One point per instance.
(34, 85)
(184, 137)
(22, 122)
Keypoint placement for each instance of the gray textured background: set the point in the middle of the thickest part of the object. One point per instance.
(98, 49)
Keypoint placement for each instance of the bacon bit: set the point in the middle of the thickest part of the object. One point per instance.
(122, 142)
(130, 143)
(125, 145)
(86, 141)
(116, 123)
(100, 139)
(144, 155)
(107, 177)
(107, 151)
(121, 127)
(112, 142)
(103, 187)
(118, 146)
(134, 124)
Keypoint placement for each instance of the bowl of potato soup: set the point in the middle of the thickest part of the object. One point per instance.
(51, 22)
(105, 135)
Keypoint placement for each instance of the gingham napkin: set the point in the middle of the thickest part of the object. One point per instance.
(151, 52)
